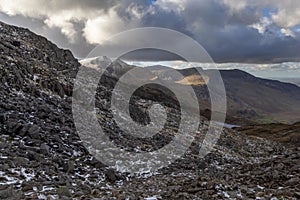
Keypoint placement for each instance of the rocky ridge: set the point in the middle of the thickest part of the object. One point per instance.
(42, 156)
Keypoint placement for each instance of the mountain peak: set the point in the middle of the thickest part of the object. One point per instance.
(96, 62)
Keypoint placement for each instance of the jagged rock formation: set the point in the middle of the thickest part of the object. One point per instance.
(42, 156)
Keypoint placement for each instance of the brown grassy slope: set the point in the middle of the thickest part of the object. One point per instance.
(283, 133)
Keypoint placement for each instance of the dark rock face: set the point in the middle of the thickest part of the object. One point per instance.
(42, 157)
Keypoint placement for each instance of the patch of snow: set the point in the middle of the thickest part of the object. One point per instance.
(35, 189)
(14, 171)
(260, 187)
(29, 193)
(96, 62)
(20, 94)
(76, 153)
(35, 77)
(3, 157)
(42, 196)
(226, 195)
(119, 183)
(9, 180)
(45, 188)
(28, 176)
(252, 190)
(53, 197)
(153, 198)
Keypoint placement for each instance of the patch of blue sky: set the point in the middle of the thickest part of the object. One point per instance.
(296, 28)
(268, 11)
(149, 2)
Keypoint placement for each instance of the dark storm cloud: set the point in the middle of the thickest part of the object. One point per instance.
(230, 30)
(243, 44)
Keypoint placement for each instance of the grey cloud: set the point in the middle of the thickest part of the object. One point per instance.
(224, 27)
(79, 47)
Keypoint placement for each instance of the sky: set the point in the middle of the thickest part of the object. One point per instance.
(231, 31)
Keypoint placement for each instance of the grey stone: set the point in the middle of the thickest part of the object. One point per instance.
(63, 191)
(44, 149)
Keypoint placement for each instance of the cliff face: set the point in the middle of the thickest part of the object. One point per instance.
(42, 157)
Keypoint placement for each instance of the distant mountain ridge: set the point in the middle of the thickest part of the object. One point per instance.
(249, 97)
(295, 81)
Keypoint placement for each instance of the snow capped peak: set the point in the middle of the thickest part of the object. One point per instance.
(96, 62)
(116, 66)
